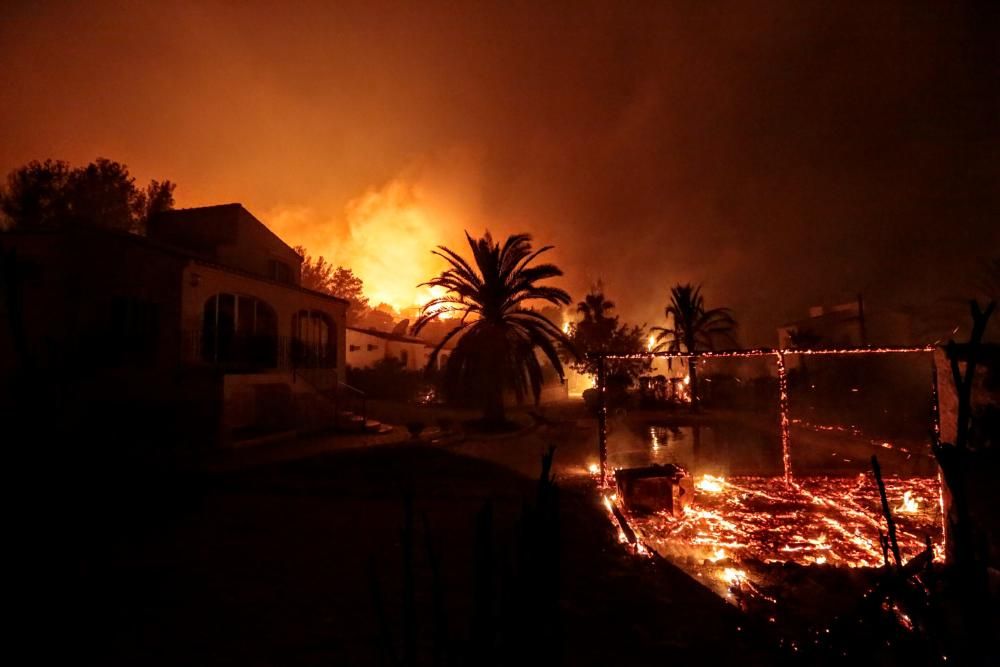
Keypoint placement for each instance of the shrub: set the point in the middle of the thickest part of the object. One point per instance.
(387, 378)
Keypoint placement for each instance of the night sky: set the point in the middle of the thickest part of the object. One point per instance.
(783, 153)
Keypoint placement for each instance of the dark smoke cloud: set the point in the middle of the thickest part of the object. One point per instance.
(783, 153)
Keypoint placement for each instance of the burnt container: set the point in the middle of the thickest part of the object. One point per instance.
(655, 488)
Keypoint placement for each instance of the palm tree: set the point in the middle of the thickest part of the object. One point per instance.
(595, 307)
(600, 332)
(498, 333)
(596, 328)
(693, 328)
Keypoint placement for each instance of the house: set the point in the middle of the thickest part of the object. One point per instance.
(365, 347)
(203, 323)
(848, 325)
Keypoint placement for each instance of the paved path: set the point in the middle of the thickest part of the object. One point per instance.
(272, 565)
(298, 448)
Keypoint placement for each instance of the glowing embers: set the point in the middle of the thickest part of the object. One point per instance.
(814, 521)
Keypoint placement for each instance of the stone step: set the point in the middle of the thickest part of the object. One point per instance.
(374, 426)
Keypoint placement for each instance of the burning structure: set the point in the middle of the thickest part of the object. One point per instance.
(657, 488)
(738, 534)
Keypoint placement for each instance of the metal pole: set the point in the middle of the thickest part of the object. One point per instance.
(935, 443)
(602, 418)
(935, 404)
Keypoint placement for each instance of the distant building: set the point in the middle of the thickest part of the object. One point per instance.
(847, 325)
(204, 316)
(365, 347)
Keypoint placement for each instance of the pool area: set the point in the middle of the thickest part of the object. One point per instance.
(746, 524)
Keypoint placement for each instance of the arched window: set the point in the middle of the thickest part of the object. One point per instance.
(239, 330)
(314, 338)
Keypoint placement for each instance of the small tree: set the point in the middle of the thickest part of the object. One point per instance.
(599, 332)
(348, 286)
(320, 275)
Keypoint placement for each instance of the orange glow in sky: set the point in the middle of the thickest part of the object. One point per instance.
(391, 234)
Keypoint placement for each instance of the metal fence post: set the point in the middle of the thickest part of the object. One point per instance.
(602, 417)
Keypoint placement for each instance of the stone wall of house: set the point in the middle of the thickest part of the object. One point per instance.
(201, 282)
(364, 349)
(230, 235)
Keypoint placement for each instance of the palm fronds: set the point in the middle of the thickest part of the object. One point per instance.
(497, 333)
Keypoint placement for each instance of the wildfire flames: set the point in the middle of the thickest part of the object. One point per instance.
(391, 233)
(386, 233)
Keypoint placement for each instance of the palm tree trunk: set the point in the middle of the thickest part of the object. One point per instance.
(497, 347)
(493, 412)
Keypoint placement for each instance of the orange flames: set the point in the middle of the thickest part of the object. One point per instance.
(392, 231)
(909, 504)
(732, 576)
(710, 484)
(385, 234)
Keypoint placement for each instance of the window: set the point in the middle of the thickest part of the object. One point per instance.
(279, 271)
(239, 330)
(404, 356)
(372, 348)
(314, 339)
(355, 348)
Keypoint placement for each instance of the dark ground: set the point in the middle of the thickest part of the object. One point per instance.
(268, 565)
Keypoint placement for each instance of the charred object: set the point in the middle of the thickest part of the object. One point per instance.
(656, 488)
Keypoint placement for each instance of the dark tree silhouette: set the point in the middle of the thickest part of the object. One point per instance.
(692, 327)
(158, 197)
(601, 332)
(49, 195)
(497, 333)
(320, 275)
(35, 195)
(595, 307)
